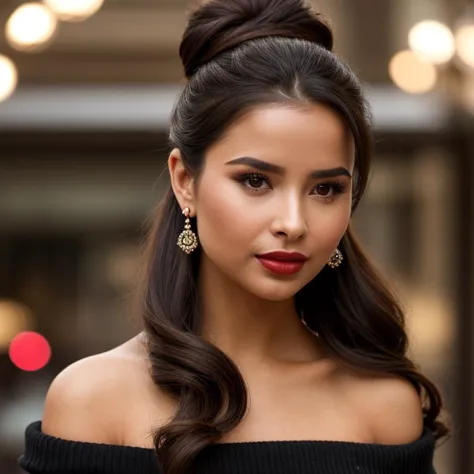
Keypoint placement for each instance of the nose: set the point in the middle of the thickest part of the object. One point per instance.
(289, 220)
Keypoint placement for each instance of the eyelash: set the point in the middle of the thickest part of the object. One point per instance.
(336, 186)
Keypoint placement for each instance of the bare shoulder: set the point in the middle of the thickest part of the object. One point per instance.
(390, 405)
(86, 401)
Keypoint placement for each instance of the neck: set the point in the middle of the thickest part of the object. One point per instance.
(246, 327)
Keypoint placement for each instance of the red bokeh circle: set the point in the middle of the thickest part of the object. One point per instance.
(29, 351)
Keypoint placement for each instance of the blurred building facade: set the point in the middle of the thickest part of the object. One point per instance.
(83, 148)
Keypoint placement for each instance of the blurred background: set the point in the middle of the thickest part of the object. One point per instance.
(86, 90)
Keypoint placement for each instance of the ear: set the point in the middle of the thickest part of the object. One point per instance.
(181, 181)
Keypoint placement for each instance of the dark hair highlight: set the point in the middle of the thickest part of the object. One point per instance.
(239, 55)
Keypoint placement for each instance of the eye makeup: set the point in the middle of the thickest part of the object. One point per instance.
(256, 182)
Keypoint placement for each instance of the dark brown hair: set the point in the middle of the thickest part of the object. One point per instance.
(237, 55)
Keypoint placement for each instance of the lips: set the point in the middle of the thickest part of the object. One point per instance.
(283, 263)
(284, 256)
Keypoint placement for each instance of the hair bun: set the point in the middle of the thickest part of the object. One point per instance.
(219, 25)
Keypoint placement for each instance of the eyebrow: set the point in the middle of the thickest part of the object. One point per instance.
(271, 168)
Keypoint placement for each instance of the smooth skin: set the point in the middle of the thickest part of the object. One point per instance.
(297, 392)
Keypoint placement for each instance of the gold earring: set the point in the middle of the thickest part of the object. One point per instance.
(336, 259)
(187, 240)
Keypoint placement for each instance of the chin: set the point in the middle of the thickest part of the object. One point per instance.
(278, 287)
(274, 290)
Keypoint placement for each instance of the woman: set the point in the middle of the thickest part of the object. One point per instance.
(270, 343)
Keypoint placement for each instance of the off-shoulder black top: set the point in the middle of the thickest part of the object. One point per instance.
(48, 455)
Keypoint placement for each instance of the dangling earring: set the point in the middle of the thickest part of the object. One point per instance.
(336, 259)
(187, 240)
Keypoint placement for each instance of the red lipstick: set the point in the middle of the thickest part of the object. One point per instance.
(283, 263)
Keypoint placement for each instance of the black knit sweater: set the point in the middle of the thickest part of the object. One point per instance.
(48, 455)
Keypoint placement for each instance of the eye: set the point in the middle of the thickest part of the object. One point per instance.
(324, 189)
(328, 190)
(253, 181)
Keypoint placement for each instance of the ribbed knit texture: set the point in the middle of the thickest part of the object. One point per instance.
(48, 455)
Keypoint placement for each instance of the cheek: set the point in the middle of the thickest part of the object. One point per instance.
(225, 220)
(330, 226)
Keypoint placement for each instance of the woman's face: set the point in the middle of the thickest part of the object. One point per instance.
(278, 181)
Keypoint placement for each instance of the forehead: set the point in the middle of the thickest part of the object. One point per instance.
(299, 137)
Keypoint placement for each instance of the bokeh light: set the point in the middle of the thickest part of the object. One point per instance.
(14, 318)
(433, 41)
(411, 74)
(74, 10)
(30, 351)
(8, 77)
(465, 44)
(30, 27)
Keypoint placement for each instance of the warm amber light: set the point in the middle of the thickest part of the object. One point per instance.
(411, 74)
(8, 77)
(465, 44)
(30, 27)
(433, 41)
(74, 10)
(14, 318)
